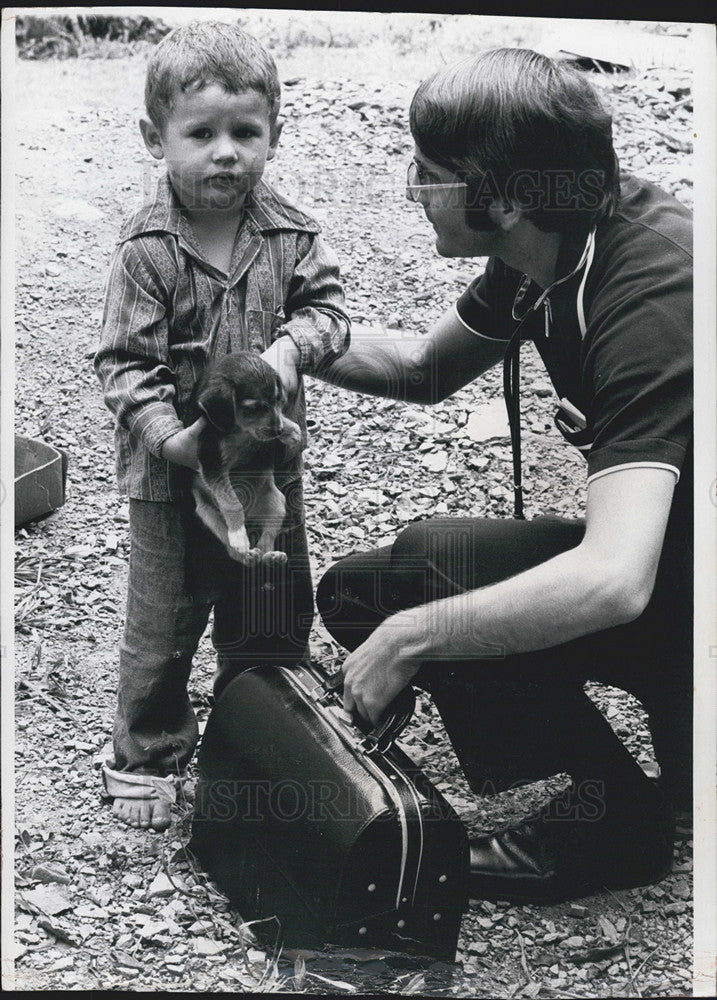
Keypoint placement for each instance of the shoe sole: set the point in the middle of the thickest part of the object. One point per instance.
(536, 892)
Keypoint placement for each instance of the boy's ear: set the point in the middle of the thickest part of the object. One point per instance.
(152, 138)
(275, 136)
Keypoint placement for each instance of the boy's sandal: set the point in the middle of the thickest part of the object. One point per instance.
(130, 785)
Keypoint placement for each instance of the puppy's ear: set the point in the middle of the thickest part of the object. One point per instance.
(217, 404)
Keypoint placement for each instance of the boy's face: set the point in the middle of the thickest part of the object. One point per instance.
(216, 146)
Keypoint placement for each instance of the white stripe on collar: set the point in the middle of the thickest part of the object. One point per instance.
(581, 290)
(585, 258)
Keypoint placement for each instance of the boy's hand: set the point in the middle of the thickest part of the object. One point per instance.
(181, 448)
(283, 356)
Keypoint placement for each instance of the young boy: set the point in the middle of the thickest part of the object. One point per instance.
(217, 261)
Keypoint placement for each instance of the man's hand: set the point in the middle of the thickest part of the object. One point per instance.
(181, 448)
(381, 668)
(283, 356)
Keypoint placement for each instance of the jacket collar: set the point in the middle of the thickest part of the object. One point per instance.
(265, 209)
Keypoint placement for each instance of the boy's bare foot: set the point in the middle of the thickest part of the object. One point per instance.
(141, 800)
(145, 814)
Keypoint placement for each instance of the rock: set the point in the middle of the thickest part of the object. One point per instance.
(441, 428)
(161, 886)
(574, 942)
(91, 912)
(175, 908)
(62, 963)
(608, 929)
(128, 970)
(47, 874)
(675, 909)
(75, 208)
(435, 461)
(578, 911)
(93, 839)
(499, 493)
(490, 421)
(478, 947)
(204, 946)
(406, 507)
(111, 542)
(78, 551)
(153, 929)
(49, 899)
(132, 880)
(372, 496)
(681, 889)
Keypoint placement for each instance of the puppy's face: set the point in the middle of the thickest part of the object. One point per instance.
(243, 394)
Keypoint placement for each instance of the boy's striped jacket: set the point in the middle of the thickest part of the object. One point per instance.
(168, 310)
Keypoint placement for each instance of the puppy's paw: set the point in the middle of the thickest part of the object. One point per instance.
(238, 544)
(275, 558)
(253, 557)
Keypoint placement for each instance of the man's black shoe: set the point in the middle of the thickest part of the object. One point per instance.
(543, 861)
(519, 864)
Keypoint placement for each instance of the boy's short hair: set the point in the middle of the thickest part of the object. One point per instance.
(518, 126)
(203, 52)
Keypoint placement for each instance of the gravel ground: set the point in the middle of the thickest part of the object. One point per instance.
(102, 907)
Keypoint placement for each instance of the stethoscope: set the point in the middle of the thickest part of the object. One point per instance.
(511, 366)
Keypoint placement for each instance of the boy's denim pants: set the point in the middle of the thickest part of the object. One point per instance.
(178, 571)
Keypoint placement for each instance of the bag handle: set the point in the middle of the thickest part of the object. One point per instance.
(393, 721)
(391, 724)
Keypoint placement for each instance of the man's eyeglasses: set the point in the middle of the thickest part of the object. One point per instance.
(414, 185)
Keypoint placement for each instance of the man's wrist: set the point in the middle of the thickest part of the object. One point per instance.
(283, 347)
(288, 352)
(298, 348)
(411, 633)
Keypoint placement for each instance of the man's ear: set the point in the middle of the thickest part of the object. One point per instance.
(276, 131)
(217, 404)
(152, 138)
(505, 214)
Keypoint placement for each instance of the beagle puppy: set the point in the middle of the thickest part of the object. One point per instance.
(234, 490)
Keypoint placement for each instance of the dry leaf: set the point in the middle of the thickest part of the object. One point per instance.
(299, 971)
